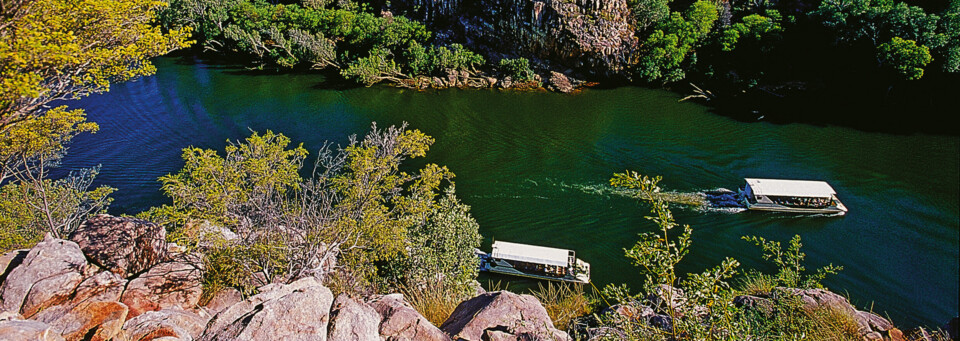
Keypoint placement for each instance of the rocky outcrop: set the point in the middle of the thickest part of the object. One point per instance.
(223, 300)
(48, 275)
(125, 246)
(592, 36)
(492, 314)
(172, 284)
(351, 320)
(27, 330)
(400, 321)
(296, 311)
(171, 322)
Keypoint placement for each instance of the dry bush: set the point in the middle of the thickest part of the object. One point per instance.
(564, 302)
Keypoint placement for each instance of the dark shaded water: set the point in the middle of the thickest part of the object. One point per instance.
(534, 167)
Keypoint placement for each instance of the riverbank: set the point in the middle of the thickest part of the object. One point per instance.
(118, 279)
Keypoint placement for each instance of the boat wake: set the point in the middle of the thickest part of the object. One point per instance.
(719, 200)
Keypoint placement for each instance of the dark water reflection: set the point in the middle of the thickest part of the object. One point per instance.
(534, 168)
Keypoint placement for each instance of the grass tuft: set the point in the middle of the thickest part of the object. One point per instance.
(564, 302)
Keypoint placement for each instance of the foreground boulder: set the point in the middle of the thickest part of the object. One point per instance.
(296, 311)
(92, 312)
(172, 284)
(48, 275)
(402, 322)
(351, 320)
(171, 322)
(125, 246)
(27, 330)
(492, 314)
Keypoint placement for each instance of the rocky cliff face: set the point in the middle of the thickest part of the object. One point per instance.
(592, 37)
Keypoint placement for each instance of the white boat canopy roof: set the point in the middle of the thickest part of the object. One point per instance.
(790, 188)
(530, 253)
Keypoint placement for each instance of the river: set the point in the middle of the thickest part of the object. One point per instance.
(534, 167)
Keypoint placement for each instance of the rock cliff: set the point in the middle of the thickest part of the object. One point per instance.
(594, 38)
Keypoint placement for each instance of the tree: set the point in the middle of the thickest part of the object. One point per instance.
(442, 247)
(356, 207)
(374, 68)
(674, 42)
(657, 254)
(906, 57)
(518, 68)
(648, 13)
(755, 28)
(60, 50)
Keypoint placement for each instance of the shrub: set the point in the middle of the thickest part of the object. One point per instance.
(564, 303)
(517, 68)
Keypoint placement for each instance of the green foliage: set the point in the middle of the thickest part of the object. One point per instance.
(649, 12)
(357, 207)
(30, 203)
(757, 28)
(218, 189)
(674, 42)
(56, 49)
(905, 57)
(443, 247)
(423, 61)
(30, 209)
(791, 272)
(289, 35)
(888, 26)
(372, 69)
(517, 68)
(707, 304)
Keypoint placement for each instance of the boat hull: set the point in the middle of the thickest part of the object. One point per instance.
(838, 210)
(514, 272)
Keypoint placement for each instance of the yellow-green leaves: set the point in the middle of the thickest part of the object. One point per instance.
(209, 185)
(59, 49)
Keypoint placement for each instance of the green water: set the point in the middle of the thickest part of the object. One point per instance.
(534, 167)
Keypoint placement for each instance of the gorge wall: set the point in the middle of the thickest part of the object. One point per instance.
(579, 37)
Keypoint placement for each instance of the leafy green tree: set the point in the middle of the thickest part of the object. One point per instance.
(791, 271)
(518, 68)
(53, 50)
(674, 42)
(756, 28)
(60, 50)
(423, 61)
(904, 56)
(356, 207)
(706, 305)
(648, 13)
(442, 247)
(374, 68)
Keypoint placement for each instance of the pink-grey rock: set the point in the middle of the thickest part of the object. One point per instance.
(814, 299)
(48, 275)
(170, 322)
(560, 82)
(11, 260)
(351, 320)
(92, 310)
(296, 311)
(402, 322)
(95, 321)
(171, 284)
(18, 330)
(126, 246)
(223, 299)
(520, 315)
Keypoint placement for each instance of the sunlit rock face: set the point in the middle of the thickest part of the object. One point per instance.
(592, 37)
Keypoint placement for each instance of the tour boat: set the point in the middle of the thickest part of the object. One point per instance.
(535, 262)
(796, 196)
